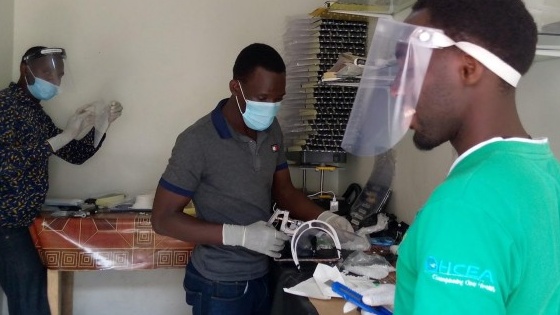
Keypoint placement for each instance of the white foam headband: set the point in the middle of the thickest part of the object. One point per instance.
(485, 57)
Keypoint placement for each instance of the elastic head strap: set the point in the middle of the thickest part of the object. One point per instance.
(489, 60)
(492, 62)
(45, 52)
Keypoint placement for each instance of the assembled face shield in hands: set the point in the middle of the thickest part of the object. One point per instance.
(45, 69)
(392, 80)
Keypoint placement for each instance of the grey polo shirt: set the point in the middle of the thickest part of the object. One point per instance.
(229, 178)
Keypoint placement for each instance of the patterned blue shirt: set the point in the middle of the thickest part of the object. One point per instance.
(24, 153)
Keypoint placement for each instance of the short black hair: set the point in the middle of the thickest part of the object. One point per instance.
(504, 27)
(257, 55)
(31, 51)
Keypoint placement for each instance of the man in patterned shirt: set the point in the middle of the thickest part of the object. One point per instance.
(28, 137)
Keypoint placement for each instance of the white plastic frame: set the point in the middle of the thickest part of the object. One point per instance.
(308, 226)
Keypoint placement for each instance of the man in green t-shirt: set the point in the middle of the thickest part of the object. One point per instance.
(487, 241)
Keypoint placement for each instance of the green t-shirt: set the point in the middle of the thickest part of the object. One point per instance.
(488, 239)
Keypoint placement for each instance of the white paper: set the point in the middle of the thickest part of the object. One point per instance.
(315, 287)
(308, 288)
(324, 273)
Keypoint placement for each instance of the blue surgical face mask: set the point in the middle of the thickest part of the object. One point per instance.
(43, 90)
(258, 115)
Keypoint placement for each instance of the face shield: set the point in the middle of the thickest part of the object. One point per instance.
(45, 71)
(392, 79)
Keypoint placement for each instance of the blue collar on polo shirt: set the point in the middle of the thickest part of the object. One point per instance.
(219, 120)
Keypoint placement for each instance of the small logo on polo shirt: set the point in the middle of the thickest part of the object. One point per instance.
(460, 274)
(275, 147)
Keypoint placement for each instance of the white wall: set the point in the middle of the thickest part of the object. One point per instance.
(7, 39)
(538, 101)
(130, 292)
(168, 62)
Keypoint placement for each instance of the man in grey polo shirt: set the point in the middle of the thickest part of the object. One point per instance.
(231, 163)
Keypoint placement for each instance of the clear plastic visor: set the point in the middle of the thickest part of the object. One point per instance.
(389, 89)
(49, 67)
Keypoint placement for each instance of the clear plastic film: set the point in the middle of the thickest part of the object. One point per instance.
(389, 89)
(370, 265)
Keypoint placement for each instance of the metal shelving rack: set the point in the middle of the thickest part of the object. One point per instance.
(314, 115)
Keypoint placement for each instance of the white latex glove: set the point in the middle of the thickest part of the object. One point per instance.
(114, 110)
(258, 237)
(86, 108)
(384, 294)
(77, 124)
(103, 119)
(336, 221)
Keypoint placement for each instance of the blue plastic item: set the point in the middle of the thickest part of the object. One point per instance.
(356, 298)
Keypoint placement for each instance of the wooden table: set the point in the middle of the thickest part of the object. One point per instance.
(103, 241)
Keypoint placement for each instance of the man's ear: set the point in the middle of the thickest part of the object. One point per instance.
(471, 70)
(234, 86)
